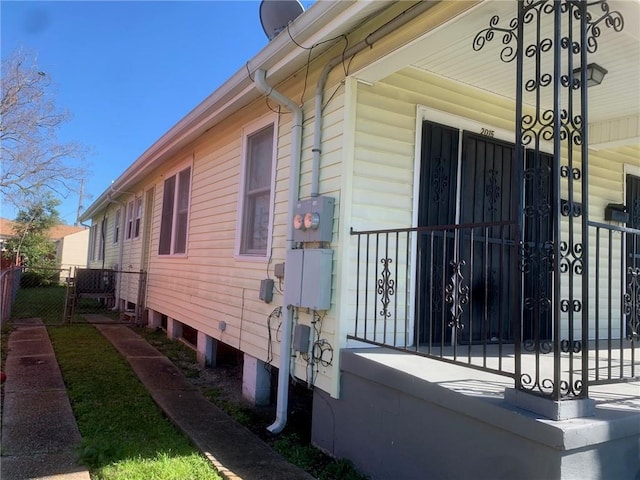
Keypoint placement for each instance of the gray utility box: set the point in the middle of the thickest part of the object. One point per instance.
(307, 282)
(313, 220)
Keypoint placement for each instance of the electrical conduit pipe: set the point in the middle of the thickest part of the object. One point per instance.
(390, 26)
(294, 185)
(294, 176)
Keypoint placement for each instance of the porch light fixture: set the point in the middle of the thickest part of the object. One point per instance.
(595, 74)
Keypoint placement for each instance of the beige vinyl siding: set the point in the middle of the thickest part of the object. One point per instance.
(109, 255)
(330, 184)
(209, 284)
(72, 251)
(607, 185)
(126, 254)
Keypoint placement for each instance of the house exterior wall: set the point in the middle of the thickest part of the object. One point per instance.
(368, 161)
(72, 251)
(123, 255)
(210, 283)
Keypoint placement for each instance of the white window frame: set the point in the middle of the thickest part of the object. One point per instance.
(176, 173)
(116, 226)
(102, 239)
(128, 226)
(247, 132)
(137, 217)
(92, 242)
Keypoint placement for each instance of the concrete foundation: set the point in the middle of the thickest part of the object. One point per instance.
(174, 328)
(155, 319)
(406, 417)
(256, 381)
(207, 350)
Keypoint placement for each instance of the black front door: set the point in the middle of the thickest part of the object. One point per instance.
(437, 207)
(463, 183)
(467, 179)
(537, 258)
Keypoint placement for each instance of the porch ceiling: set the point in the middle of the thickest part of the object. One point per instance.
(448, 52)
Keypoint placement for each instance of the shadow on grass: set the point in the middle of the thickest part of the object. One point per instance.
(125, 435)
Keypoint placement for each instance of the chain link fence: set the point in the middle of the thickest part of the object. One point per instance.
(60, 296)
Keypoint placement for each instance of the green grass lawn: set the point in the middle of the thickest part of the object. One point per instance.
(48, 303)
(124, 434)
(43, 302)
(291, 444)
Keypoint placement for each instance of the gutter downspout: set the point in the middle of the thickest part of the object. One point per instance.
(123, 224)
(294, 186)
(123, 205)
(398, 21)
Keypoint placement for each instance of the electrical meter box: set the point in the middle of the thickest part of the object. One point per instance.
(313, 220)
(307, 282)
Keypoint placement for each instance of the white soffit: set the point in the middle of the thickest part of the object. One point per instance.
(448, 52)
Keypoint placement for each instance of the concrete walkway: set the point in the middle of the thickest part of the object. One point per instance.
(235, 452)
(40, 435)
(39, 432)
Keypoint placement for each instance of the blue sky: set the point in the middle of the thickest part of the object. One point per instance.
(128, 71)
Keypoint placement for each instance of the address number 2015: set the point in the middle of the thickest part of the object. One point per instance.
(487, 133)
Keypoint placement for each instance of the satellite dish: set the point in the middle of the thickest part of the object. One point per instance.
(275, 15)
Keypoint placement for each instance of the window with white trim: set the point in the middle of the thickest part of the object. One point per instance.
(175, 213)
(257, 194)
(102, 238)
(116, 226)
(137, 217)
(129, 227)
(92, 242)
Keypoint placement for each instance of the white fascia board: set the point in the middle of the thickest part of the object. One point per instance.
(324, 20)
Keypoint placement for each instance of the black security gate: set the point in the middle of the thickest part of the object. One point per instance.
(470, 195)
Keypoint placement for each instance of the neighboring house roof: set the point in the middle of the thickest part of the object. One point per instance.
(55, 233)
(6, 228)
(59, 231)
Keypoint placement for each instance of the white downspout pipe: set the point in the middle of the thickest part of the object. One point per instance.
(123, 224)
(294, 186)
(123, 205)
(398, 21)
(294, 179)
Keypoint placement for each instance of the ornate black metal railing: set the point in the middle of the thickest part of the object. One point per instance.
(550, 41)
(615, 315)
(447, 293)
(442, 292)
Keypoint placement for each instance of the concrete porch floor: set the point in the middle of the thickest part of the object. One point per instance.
(603, 363)
(420, 411)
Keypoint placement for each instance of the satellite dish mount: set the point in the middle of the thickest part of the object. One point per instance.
(275, 15)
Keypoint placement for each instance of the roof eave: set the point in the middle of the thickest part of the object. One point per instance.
(319, 23)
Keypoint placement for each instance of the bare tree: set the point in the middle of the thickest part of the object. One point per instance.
(34, 162)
